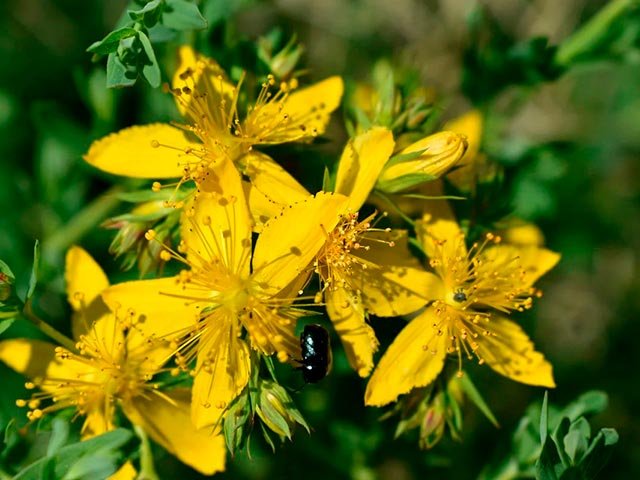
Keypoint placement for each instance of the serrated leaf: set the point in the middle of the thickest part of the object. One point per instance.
(33, 279)
(475, 396)
(151, 70)
(109, 44)
(183, 15)
(118, 75)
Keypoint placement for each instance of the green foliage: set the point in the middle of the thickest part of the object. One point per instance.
(266, 403)
(130, 51)
(552, 443)
(97, 457)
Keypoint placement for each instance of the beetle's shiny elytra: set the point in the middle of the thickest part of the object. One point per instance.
(316, 353)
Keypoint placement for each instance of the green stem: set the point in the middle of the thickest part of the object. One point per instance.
(592, 32)
(82, 222)
(395, 207)
(4, 475)
(147, 470)
(47, 329)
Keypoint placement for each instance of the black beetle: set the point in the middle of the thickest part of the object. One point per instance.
(316, 353)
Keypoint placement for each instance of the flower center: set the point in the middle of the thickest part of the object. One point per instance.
(483, 276)
(339, 260)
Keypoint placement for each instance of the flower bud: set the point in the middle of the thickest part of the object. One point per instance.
(422, 161)
(276, 409)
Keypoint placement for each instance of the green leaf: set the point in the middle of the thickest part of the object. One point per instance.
(588, 403)
(109, 44)
(183, 15)
(7, 318)
(558, 438)
(577, 440)
(599, 452)
(404, 157)
(67, 457)
(544, 418)
(151, 70)
(268, 361)
(545, 466)
(474, 395)
(33, 279)
(147, 195)
(118, 75)
(404, 182)
(149, 14)
(267, 437)
(59, 436)
(10, 305)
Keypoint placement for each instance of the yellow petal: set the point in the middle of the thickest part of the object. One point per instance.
(438, 229)
(222, 371)
(522, 234)
(509, 351)
(470, 125)
(151, 151)
(304, 113)
(290, 241)
(158, 307)
(442, 151)
(166, 418)
(36, 359)
(393, 282)
(202, 75)
(217, 225)
(414, 359)
(534, 261)
(361, 163)
(358, 338)
(95, 423)
(271, 188)
(125, 472)
(85, 280)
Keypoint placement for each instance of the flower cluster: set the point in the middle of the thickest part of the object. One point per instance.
(252, 251)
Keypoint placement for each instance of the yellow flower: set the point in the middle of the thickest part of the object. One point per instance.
(363, 269)
(473, 292)
(423, 161)
(473, 166)
(226, 290)
(112, 368)
(215, 132)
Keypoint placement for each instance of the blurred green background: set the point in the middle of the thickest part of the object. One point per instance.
(570, 147)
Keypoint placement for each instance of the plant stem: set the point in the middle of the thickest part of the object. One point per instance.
(592, 32)
(147, 470)
(394, 206)
(47, 329)
(82, 222)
